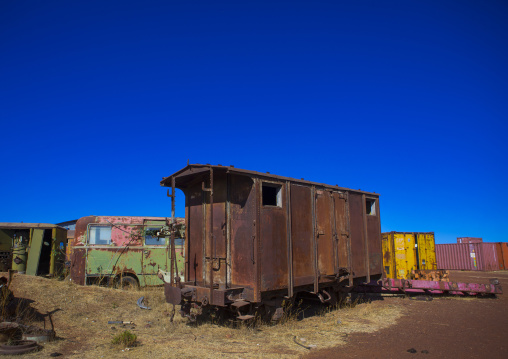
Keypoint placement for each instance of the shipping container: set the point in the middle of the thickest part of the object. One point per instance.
(469, 240)
(256, 239)
(467, 256)
(122, 250)
(407, 252)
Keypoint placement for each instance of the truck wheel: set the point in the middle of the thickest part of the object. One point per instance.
(128, 283)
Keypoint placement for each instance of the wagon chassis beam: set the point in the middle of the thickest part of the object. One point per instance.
(408, 286)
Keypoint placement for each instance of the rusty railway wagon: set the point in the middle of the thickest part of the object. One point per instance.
(123, 250)
(254, 240)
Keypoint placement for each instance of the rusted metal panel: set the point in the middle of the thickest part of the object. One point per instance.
(341, 231)
(504, 249)
(243, 233)
(325, 233)
(439, 287)
(78, 265)
(358, 248)
(469, 240)
(216, 251)
(500, 259)
(375, 260)
(195, 224)
(490, 257)
(301, 235)
(273, 245)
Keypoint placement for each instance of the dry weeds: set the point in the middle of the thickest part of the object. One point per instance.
(81, 315)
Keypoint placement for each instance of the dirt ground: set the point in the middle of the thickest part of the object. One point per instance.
(387, 328)
(442, 328)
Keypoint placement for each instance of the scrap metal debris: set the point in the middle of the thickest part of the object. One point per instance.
(300, 344)
(18, 347)
(141, 303)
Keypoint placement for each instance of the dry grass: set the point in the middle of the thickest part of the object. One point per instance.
(81, 316)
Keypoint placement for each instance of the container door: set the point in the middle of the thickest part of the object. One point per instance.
(411, 254)
(426, 251)
(405, 258)
(389, 270)
(34, 253)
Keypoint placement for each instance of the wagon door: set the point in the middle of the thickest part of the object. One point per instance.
(301, 235)
(341, 223)
(215, 250)
(243, 231)
(325, 234)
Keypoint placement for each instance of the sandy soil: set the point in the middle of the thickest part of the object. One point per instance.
(442, 328)
(81, 316)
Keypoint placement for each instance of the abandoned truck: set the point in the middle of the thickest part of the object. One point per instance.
(254, 240)
(125, 251)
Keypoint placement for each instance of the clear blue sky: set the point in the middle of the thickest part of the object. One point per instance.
(101, 99)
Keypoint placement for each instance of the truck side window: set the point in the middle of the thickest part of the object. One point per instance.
(99, 235)
(151, 239)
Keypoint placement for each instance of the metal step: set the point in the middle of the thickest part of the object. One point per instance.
(240, 303)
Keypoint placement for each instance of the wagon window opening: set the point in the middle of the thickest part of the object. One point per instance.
(370, 206)
(272, 195)
(100, 235)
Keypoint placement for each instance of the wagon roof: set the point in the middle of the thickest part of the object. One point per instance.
(189, 172)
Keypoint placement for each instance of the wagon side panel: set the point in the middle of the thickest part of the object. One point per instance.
(301, 235)
(374, 242)
(273, 254)
(325, 235)
(243, 232)
(358, 247)
(195, 223)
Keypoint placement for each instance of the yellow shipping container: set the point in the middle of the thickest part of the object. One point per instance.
(405, 252)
